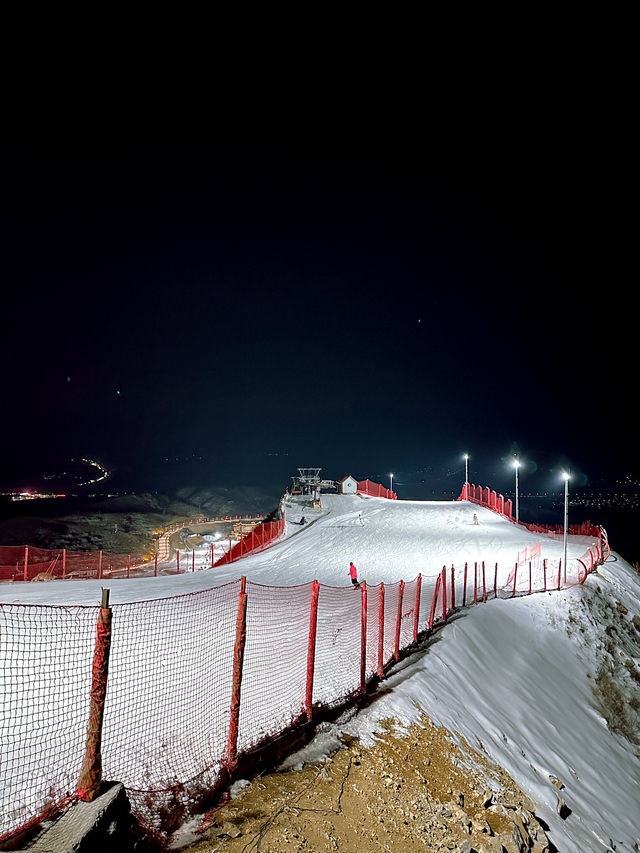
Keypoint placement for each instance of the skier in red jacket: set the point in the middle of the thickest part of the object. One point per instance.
(353, 574)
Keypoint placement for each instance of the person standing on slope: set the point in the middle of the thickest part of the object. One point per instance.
(353, 574)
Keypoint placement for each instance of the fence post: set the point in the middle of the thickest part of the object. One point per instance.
(363, 641)
(433, 601)
(559, 571)
(544, 571)
(529, 577)
(495, 582)
(464, 591)
(212, 555)
(444, 593)
(128, 564)
(515, 578)
(155, 568)
(453, 588)
(600, 546)
(64, 563)
(230, 758)
(475, 583)
(26, 562)
(484, 585)
(90, 779)
(311, 647)
(193, 560)
(416, 610)
(177, 561)
(100, 564)
(396, 644)
(381, 631)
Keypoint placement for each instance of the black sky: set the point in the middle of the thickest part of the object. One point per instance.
(371, 299)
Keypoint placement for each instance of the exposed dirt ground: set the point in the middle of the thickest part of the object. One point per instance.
(409, 792)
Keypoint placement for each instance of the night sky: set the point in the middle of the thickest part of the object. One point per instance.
(372, 301)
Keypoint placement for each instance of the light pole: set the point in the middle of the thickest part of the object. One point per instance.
(466, 475)
(516, 465)
(566, 477)
(391, 482)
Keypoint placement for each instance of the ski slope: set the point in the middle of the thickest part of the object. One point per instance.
(514, 678)
(387, 540)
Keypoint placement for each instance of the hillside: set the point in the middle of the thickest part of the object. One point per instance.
(121, 524)
(546, 687)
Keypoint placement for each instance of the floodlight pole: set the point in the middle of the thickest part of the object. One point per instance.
(391, 482)
(466, 475)
(517, 467)
(565, 524)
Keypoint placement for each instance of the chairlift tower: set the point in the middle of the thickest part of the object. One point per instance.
(307, 482)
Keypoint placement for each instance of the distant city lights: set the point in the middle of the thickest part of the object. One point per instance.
(31, 494)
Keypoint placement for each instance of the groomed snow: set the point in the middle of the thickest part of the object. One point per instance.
(387, 540)
(513, 677)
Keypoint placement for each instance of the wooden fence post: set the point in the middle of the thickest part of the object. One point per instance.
(381, 630)
(464, 591)
(311, 647)
(434, 600)
(90, 779)
(26, 563)
(363, 641)
(416, 611)
(444, 593)
(230, 758)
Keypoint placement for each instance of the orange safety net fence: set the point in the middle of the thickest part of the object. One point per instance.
(197, 680)
(27, 563)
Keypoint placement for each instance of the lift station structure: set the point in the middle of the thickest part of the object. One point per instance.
(307, 482)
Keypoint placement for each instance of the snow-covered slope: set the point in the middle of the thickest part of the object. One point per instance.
(387, 540)
(547, 685)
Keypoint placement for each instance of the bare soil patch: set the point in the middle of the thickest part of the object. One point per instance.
(411, 791)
